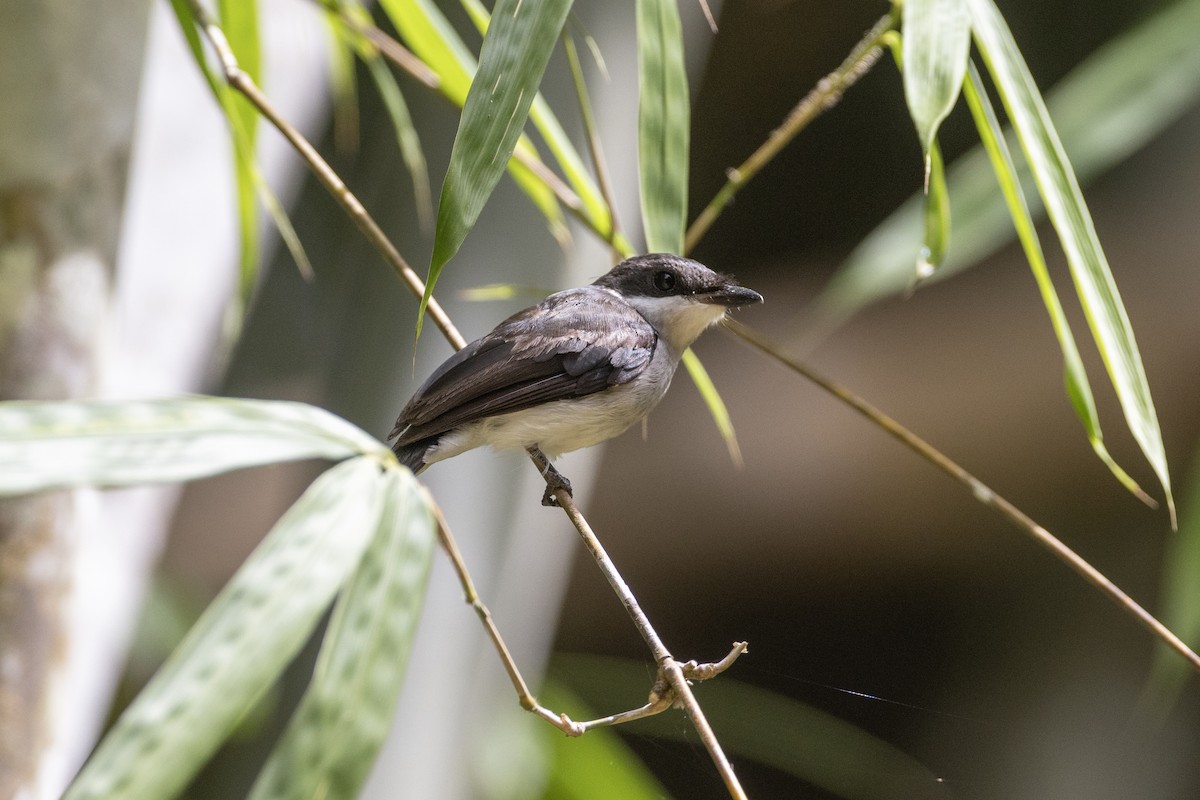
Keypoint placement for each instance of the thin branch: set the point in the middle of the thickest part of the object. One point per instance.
(823, 96)
(981, 491)
(239, 80)
(675, 673)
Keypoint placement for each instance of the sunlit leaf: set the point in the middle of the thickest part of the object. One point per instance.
(937, 217)
(1069, 214)
(511, 62)
(937, 35)
(664, 122)
(77, 443)
(556, 139)
(335, 734)
(1105, 109)
(716, 406)
(1074, 375)
(241, 643)
(431, 37)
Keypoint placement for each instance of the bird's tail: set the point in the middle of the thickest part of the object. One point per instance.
(412, 455)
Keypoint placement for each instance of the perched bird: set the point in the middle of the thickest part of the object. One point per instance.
(576, 369)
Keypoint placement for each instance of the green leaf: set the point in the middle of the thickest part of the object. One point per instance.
(937, 217)
(557, 141)
(406, 135)
(716, 406)
(335, 734)
(239, 21)
(77, 443)
(664, 121)
(241, 643)
(431, 37)
(598, 766)
(1107, 108)
(1074, 375)
(1069, 214)
(937, 36)
(511, 63)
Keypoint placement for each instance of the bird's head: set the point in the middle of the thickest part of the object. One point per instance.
(679, 297)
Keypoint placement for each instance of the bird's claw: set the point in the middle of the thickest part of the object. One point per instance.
(555, 481)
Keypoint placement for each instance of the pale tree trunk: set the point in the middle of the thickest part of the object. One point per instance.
(68, 85)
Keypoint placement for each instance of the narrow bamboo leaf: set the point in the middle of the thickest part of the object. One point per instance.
(429, 34)
(1069, 214)
(557, 140)
(239, 21)
(1075, 377)
(406, 135)
(937, 217)
(247, 173)
(937, 35)
(664, 121)
(335, 734)
(716, 406)
(343, 81)
(1107, 108)
(241, 643)
(54, 445)
(511, 62)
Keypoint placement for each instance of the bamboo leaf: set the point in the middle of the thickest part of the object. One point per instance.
(716, 406)
(335, 734)
(1075, 377)
(241, 643)
(1069, 214)
(511, 63)
(937, 217)
(431, 37)
(663, 125)
(60, 444)
(557, 141)
(937, 36)
(1107, 108)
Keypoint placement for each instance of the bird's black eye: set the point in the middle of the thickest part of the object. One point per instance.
(664, 281)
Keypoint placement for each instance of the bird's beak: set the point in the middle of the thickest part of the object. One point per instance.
(730, 295)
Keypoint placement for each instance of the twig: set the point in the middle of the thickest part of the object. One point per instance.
(981, 491)
(675, 673)
(676, 678)
(824, 95)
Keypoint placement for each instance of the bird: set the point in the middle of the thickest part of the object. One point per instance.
(580, 367)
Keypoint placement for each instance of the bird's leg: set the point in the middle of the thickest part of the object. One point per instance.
(555, 480)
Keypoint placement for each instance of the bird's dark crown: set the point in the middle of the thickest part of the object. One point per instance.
(662, 275)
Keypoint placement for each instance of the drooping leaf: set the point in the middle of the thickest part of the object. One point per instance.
(937, 36)
(1075, 377)
(431, 37)
(82, 443)
(1068, 212)
(1105, 109)
(557, 141)
(716, 406)
(335, 734)
(241, 643)
(937, 217)
(511, 63)
(664, 122)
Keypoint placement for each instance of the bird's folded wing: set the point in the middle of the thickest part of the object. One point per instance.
(573, 344)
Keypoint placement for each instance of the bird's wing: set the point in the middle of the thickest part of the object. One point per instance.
(573, 344)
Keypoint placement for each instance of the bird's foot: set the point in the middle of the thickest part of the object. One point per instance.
(555, 480)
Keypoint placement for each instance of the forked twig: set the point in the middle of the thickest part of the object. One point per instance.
(674, 674)
(982, 492)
